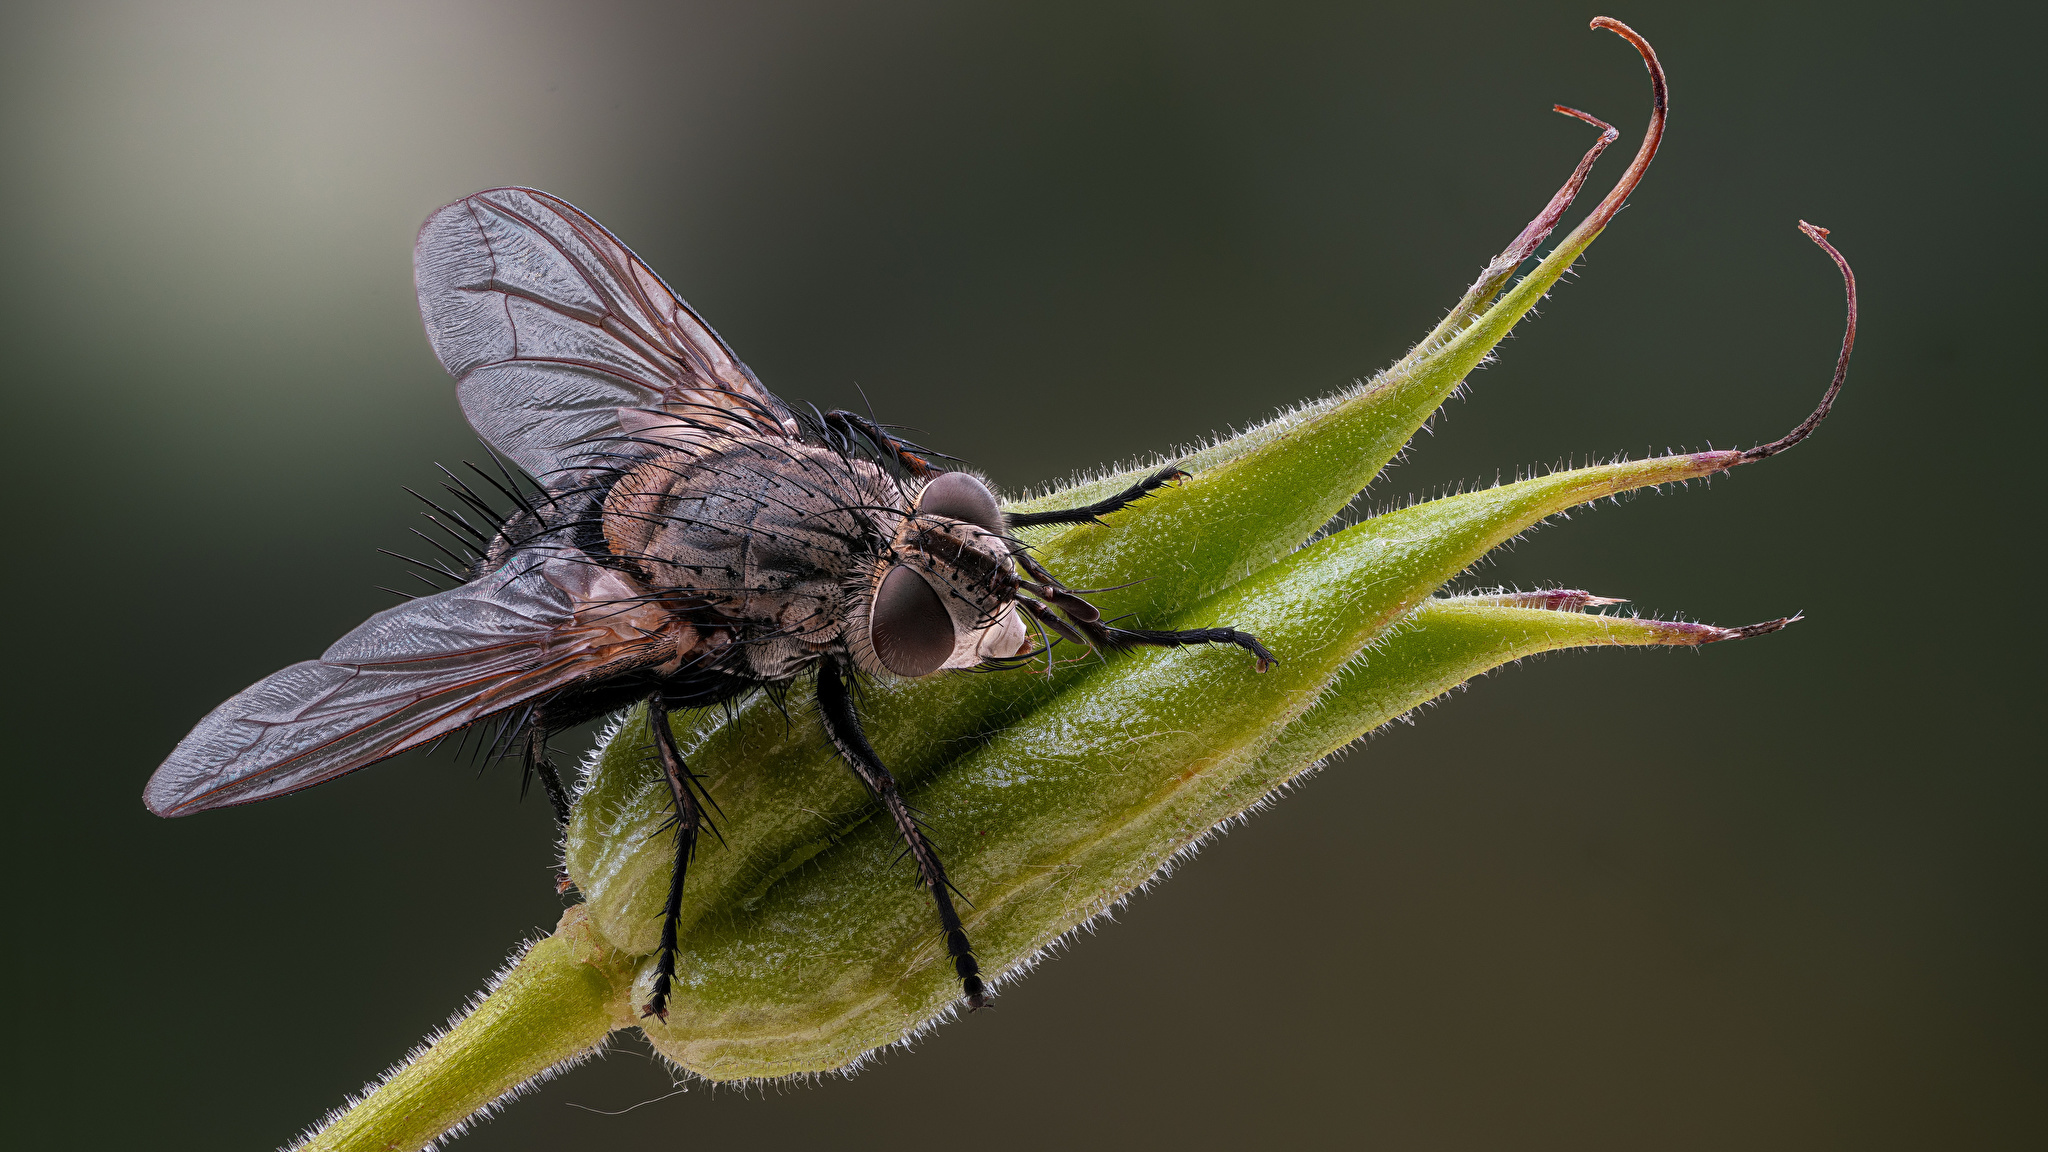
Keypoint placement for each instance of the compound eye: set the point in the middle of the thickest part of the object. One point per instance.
(910, 627)
(962, 497)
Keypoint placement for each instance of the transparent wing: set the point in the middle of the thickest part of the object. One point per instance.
(406, 676)
(550, 325)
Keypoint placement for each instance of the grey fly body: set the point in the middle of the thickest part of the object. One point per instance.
(690, 538)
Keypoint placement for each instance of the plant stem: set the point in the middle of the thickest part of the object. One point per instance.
(552, 1009)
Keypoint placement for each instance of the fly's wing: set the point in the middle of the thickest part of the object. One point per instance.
(550, 326)
(406, 676)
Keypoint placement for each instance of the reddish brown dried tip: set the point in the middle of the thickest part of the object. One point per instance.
(1532, 237)
(1763, 629)
(1660, 104)
(1819, 235)
(1608, 132)
(1679, 632)
(1502, 267)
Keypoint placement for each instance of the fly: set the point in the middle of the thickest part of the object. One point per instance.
(692, 539)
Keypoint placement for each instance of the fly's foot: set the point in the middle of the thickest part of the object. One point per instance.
(657, 1003)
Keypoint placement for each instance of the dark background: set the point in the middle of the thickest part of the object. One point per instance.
(1785, 894)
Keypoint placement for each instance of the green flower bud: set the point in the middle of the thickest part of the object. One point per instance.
(1052, 796)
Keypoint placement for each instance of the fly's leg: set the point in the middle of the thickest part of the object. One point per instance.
(539, 765)
(1082, 617)
(1088, 513)
(688, 822)
(842, 727)
(1145, 638)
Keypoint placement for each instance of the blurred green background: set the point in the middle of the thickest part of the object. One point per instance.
(1785, 894)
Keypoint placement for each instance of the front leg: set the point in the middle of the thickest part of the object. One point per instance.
(1089, 513)
(842, 727)
(1084, 624)
(1147, 638)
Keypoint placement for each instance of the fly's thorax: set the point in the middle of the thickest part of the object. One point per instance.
(758, 535)
(943, 593)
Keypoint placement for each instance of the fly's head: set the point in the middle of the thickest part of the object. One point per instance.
(944, 593)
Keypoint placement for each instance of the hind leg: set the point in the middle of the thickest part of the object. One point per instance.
(688, 822)
(539, 766)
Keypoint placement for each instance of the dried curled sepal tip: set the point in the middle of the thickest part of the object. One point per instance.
(1539, 229)
(1722, 461)
(1501, 268)
(1653, 136)
(1763, 629)
(1819, 235)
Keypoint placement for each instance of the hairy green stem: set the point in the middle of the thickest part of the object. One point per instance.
(552, 1008)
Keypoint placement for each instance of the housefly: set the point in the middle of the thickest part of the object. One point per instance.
(687, 538)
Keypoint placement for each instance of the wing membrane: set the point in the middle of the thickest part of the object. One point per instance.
(550, 325)
(406, 676)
